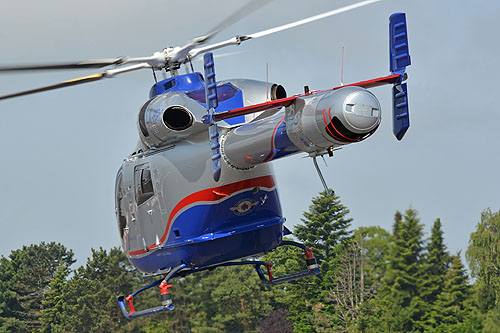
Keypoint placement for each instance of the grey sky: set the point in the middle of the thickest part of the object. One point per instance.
(61, 149)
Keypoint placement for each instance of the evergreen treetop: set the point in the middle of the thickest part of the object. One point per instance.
(324, 226)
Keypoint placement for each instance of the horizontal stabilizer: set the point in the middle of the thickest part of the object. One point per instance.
(390, 79)
(254, 108)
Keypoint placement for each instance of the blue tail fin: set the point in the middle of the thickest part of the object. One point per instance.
(399, 56)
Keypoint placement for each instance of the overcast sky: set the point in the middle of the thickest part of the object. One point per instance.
(61, 149)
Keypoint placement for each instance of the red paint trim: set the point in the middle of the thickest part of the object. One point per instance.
(268, 157)
(254, 108)
(336, 130)
(326, 126)
(390, 79)
(211, 194)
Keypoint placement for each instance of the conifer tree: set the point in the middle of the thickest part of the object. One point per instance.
(448, 310)
(433, 274)
(52, 316)
(324, 229)
(324, 226)
(399, 302)
(437, 256)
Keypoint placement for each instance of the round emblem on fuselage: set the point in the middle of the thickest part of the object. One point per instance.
(244, 206)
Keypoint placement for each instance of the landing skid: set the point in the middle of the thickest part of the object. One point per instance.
(166, 300)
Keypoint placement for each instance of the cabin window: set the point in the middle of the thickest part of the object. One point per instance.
(224, 92)
(169, 84)
(143, 184)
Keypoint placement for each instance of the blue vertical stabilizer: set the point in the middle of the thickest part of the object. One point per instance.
(399, 56)
(399, 52)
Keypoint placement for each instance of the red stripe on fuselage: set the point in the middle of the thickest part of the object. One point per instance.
(268, 157)
(211, 194)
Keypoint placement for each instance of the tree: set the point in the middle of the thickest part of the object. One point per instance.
(483, 256)
(275, 322)
(362, 264)
(435, 266)
(238, 299)
(88, 297)
(399, 304)
(26, 275)
(52, 316)
(324, 226)
(350, 292)
(294, 297)
(448, 311)
(324, 230)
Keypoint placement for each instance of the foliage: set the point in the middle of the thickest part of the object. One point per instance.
(324, 226)
(276, 322)
(449, 308)
(325, 230)
(371, 281)
(399, 300)
(25, 277)
(355, 281)
(435, 265)
(483, 256)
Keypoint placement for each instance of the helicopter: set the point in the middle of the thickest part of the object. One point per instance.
(198, 192)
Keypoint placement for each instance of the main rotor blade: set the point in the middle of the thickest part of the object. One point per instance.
(244, 11)
(80, 80)
(251, 6)
(238, 39)
(85, 79)
(311, 19)
(97, 63)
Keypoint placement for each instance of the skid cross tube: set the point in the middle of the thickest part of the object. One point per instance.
(167, 305)
(133, 313)
(312, 267)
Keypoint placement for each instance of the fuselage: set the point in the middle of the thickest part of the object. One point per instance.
(169, 208)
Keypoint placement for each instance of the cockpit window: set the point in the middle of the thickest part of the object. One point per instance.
(169, 84)
(224, 92)
(143, 184)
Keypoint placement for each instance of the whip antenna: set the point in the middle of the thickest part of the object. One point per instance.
(342, 68)
(267, 82)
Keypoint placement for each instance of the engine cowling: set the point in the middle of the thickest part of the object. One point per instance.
(169, 118)
(337, 117)
(312, 124)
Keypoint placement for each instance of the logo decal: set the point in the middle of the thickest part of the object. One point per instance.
(244, 206)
